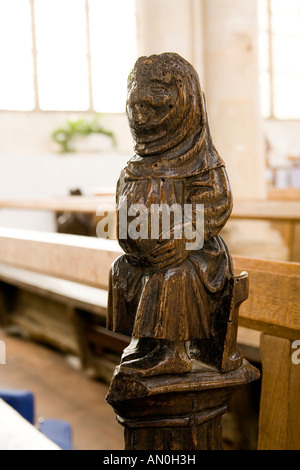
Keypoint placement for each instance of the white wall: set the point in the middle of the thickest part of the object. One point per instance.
(172, 26)
(29, 133)
(31, 167)
(24, 176)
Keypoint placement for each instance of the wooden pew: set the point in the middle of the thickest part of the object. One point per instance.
(293, 228)
(81, 214)
(284, 215)
(84, 204)
(271, 210)
(64, 314)
(283, 194)
(52, 305)
(272, 309)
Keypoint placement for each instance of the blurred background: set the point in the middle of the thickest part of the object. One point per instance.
(64, 68)
(64, 132)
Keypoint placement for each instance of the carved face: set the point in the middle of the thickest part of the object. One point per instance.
(152, 94)
(163, 103)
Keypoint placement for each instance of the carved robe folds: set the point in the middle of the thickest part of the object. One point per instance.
(175, 299)
(179, 302)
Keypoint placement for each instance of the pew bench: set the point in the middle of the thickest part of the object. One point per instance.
(283, 215)
(272, 311)
(63, 314)
(71, 317)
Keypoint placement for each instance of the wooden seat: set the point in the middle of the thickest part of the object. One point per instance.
(283, 214)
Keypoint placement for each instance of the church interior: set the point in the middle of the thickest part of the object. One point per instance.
(64, 140)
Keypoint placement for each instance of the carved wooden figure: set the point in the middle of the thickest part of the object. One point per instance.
(173, 290)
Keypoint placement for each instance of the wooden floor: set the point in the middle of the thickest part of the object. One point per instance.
(64, 392)
(61, 392)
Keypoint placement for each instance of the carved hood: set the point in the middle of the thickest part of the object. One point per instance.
(179, 143)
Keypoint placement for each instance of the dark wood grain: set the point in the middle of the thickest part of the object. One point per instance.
(179, 302)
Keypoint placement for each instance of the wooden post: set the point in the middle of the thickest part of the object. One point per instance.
(279, 422)
(180, 412)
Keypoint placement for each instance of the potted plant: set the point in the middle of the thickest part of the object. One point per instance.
(67, 135)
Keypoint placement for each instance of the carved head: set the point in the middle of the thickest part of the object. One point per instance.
(163, 103)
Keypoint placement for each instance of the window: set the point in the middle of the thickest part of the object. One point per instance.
(66, 55)
(279, 41)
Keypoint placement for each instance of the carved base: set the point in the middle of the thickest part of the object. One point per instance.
(176, 412)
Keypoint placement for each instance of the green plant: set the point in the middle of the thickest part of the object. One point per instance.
(64, 135)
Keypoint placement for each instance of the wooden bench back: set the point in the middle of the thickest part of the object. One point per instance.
(272, 308)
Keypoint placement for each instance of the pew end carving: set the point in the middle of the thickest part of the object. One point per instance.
(173, 290)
